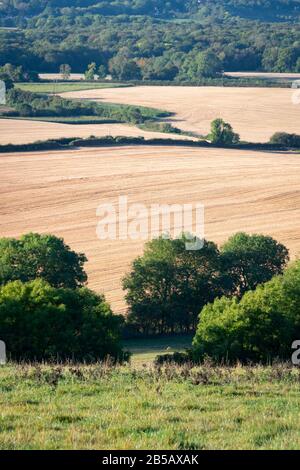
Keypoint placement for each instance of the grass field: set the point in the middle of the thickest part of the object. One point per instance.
(59, 192)
(98, 407)
(61, 87)
(145, 350)
(255, 113)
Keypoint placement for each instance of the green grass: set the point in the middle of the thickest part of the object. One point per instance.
(144, 351)
(62, 87)
(99, 407)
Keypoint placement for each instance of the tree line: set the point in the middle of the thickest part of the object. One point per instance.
(28, 104)
(169, 285)
(178, 41)
(244, 293)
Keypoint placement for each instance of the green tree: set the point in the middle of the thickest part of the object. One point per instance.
(168, 283)
(251, 260)
(205, 64)
(24, 110)
(123, 67)
(102, 71)
(40, 322)
(15, 73)
(7, 80)
(259, 327)
(65, 71)
(222, 133)
(208, 64)
(91, 71)
(285, 140)
(41, 256)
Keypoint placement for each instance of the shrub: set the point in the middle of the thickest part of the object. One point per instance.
(40, 322)
(41, 256)
(286, 140)
(259, 327)
(178, 358)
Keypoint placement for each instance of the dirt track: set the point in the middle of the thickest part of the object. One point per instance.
(255, 113)
(59, 192)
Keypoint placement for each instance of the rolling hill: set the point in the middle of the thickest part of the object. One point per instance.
(152, 39)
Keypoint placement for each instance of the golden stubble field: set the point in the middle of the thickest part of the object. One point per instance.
(255, 113)
(18, 131)
(59, 192)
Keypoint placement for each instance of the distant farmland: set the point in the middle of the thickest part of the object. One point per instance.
(20, 131)
(59, 192)
(256, 113)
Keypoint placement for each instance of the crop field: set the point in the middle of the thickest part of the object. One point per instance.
(97, 407)
(25, 131)
(255, 113)
(58, 76)
(59, 192)
(264, 75)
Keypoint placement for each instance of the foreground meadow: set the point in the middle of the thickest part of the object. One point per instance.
(255, 113)
(59, 192)
(99, 407)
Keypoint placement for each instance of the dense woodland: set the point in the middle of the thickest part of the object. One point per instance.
(151, 39)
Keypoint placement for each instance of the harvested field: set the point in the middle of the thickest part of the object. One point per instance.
(255, 113)
(18, 131)
(59, 192)
(58, 76)
(264, 75)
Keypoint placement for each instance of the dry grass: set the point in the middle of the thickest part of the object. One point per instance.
(59, 192)
(256, 113)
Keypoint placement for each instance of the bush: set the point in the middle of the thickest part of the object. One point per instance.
(41, 256)
(178, 358)
(286, 140)
(259, 327)
(39, 322)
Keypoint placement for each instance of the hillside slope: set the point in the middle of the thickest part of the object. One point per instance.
(263, 10)
(152, 40)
